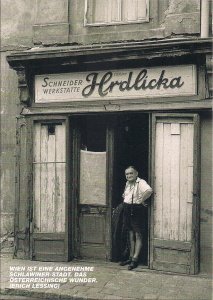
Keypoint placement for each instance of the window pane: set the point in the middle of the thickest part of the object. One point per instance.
(129, 10)
(115, 10)
(142, 9)
(111, 11)
(49, 177)
(99, 11)
(133, 10)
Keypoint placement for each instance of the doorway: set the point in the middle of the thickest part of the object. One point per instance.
(105, 146)
(131, 149)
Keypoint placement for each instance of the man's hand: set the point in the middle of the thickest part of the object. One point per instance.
(144, 204)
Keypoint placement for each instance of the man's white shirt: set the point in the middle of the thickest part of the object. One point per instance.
(138, 192)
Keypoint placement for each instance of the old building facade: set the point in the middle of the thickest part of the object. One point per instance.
(89, 87)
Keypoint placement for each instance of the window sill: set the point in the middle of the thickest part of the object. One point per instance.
(116, 23)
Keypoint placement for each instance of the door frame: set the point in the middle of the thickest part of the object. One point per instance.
(194, 257)
(110, 147)
(23, 188)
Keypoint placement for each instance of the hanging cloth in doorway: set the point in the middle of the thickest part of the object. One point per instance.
(92, 177)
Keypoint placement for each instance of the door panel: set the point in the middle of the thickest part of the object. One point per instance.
(174, 229)
(49, 189)
(93, 232)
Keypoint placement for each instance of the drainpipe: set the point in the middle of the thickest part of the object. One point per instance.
(204, 30)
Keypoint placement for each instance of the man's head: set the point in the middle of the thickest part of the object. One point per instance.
(131, 174)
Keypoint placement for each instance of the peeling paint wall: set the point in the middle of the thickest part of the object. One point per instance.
(66, 25)
(182, 17)
(52, 22)
(16, 34)
(182, 6)
(9, 96)
(17, 17)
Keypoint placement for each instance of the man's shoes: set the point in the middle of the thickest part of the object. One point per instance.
(132, 265)
(125, 262)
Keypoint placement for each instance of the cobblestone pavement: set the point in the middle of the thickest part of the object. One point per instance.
(111, 282)
(11, 297)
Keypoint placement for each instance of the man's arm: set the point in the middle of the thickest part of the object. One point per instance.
(146, 195)
(145, 191)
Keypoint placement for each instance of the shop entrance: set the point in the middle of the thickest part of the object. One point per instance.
(78, 168)
(131, 149)
(103, 147)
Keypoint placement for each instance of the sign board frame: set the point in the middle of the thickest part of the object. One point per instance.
(121, 84)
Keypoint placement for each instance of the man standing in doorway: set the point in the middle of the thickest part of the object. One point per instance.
(136, 192)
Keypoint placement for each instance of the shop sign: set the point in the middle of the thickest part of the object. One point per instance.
(137, 83)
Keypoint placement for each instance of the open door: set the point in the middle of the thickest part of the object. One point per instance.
(175, 206)
(49, 238)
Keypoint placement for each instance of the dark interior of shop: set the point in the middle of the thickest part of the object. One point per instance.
(131, 147)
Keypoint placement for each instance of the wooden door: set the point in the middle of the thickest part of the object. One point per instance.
(93, 172)
(50, 230)
(175, 218)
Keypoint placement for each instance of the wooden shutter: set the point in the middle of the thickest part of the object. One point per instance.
(23, 188)
(49, 190)
(174, 236)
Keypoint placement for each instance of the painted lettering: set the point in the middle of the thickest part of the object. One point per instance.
(61, 83)
(162, 81)
(125, 85)
(140, 79)
(176, 82)
(132, 83)
(142, 82)
(45, 81)
(106, 78)
(89, 89)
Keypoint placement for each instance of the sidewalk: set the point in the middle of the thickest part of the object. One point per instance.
(101, 281)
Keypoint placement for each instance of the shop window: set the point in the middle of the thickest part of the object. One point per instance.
(49, 173)
(110, 12)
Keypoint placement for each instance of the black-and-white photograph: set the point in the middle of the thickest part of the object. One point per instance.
(106, 149)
